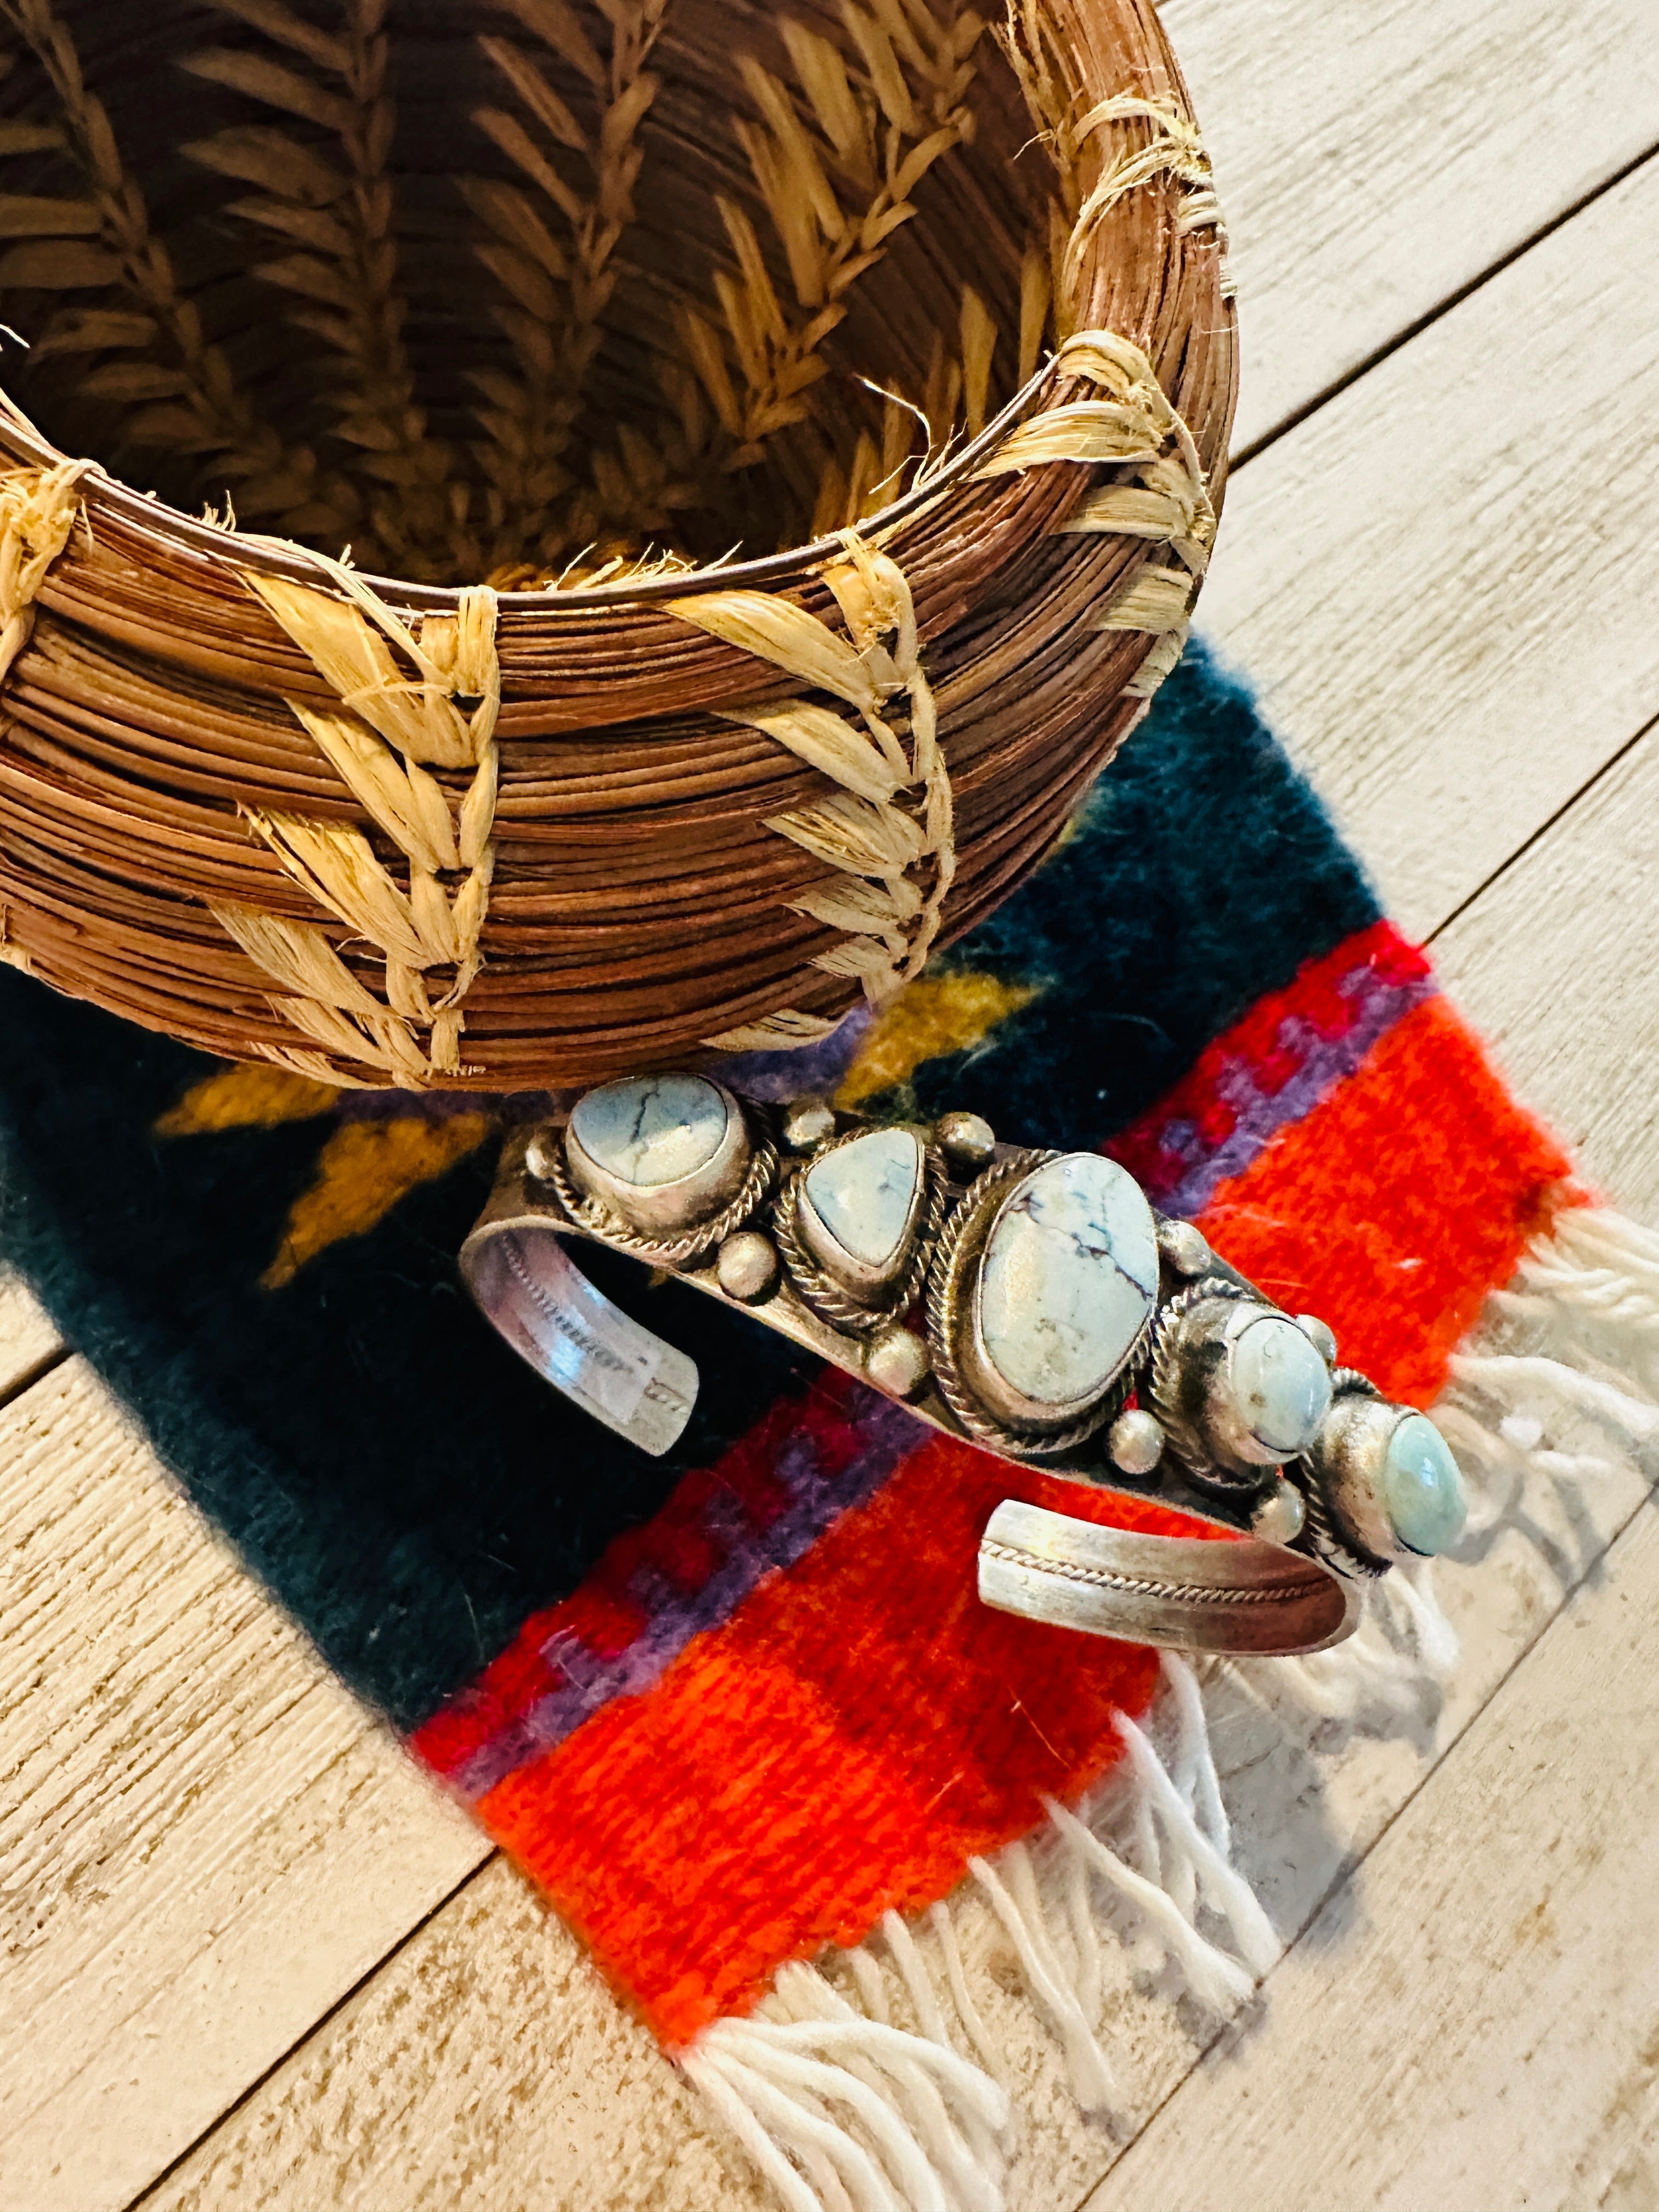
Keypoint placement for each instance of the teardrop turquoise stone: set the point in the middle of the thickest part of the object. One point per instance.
(1422, 1489)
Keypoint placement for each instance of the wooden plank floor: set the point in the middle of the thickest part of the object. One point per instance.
(252, 1959)
(1479, 2025)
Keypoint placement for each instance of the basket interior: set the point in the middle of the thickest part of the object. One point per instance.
(519, 292)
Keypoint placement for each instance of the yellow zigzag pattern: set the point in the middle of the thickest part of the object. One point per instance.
(366, 1167)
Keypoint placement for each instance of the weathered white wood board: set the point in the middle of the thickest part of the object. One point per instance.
(1474, 2024)
(204, 1841)
(1559, 963)
(1375, 156)
(241, 1846)
(486, 2065)
(1443, 583)
(27, 1338)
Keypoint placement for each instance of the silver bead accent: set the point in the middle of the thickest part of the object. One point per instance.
(1346, 1461)
(1281, 1516)
(1135, 1440)
(897, 1362)
(1186, 1248)
(1319, 1333)
(748, 1267)
(543, 1148)
(807, 1122)
(968, 1142)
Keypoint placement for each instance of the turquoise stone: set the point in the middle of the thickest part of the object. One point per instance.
(1422, 1489)
(1281, 1386)
(1069, 1280)
(864, 1194)
(651, 1129)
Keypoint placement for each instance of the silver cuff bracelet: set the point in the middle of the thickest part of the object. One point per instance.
(1031, 1303)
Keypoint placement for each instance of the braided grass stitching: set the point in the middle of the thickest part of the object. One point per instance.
(388, 729)
(837, 161)
(558, 287)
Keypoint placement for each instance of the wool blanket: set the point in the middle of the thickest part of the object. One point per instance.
(733, 1707)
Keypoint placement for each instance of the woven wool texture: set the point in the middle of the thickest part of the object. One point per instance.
(730, 1707)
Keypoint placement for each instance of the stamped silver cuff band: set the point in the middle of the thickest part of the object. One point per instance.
(1032, 1304)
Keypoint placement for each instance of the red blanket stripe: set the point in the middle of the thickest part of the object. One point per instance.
(1292, 1048)
(844, 1743)
(742, 1494)
(1398, 1203)
(860, 1726)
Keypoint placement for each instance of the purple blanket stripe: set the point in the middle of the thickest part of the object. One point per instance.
(676, 1616)
(1326, 1061)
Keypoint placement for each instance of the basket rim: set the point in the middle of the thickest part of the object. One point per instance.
(282, 556)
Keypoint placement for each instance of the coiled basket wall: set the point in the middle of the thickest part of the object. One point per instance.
(617, 526)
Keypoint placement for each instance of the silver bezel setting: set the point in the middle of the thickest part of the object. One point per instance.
(664, 1209)
(1195, 1336)
(1343, 1464)
(872, 1286)
(978, 1395)
(1188, 1347)
(861, 1311)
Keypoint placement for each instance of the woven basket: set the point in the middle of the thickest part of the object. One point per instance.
(476, 735)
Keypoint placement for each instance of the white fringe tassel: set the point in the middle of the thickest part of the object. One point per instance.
(841, 2108)
(922, 2127)
(845, 2111)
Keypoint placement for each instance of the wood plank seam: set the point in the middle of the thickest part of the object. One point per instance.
(1352, 133)
(1337, 568)
(1535, 2081)
(153, 2187)
(1442, 307)
(1544, 829)
(192, 1802)
(24, 1381)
